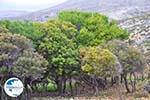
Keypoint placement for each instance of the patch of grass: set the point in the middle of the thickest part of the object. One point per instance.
(51, 87)
(39, 88)
(141, 95)
(109, 94)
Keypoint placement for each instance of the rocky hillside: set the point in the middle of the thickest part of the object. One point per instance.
(139, 27)
(12, 13)
(140, 33)
(115, 9)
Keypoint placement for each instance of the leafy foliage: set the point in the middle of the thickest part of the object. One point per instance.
(18, 57)
(99, 62)
(93, 28)
(26, 28)
(3, 29)
(131, 59)
(58, 47)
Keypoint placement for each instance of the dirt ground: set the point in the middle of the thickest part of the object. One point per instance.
(110, 94)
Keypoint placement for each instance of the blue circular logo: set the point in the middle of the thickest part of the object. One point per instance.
(13, 87)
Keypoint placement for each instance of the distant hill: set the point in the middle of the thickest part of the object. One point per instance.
(116, 9)
(12, 13)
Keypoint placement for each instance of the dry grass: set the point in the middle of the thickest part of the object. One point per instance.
(109, 94)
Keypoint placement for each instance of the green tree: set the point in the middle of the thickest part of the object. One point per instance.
(26, 28)
(93, 28)
(61, 52)
(131, 59)
(3, 29)
(99, 63)
(14, 49)
(18, 58)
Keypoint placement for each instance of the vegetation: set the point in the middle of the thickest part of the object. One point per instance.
(93, 28)
(17, 58)
(99, 63)
(3, 29)
(131, 60)
(60, 51)
(31, 30)
(65, 56)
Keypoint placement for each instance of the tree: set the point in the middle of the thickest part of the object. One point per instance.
(61, 52)
(3, 29)
(11, 47)
(99, 63)
(131, 59)
(93, 28)
(26, 28)
(18, 58)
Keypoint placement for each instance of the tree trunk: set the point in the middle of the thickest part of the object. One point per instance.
(3, 96)
(0, 93)
(1, 89)
(121, 80)
(64, 87)
(76, 88)
(96, 85)
(59, 85)
(133, 81)
(71, 88)
(25, 93)
(142, 77)
(112, 81)
(105, 79)
(126, 83)
(119, 88)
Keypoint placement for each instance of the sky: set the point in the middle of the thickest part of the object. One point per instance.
(28, 5)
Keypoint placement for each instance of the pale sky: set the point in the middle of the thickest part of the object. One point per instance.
(28, 5)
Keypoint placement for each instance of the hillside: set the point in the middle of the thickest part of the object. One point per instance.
(140, 33)
(12, 13)
(116, 9)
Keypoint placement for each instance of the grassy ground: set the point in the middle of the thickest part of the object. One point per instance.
(93, 98)
(109, 94)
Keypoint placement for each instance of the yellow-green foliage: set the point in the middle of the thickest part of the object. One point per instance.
(99, 62)
(3, 29)
(59, 48)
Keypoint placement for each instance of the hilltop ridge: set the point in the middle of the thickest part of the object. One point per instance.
(115, 9)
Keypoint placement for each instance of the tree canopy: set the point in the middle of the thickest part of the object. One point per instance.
(3, 29)
(58, 46)
(93, 28)
(99, 62)
(131, 59)
(26, 28)
(60, 50)
(18, 57)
